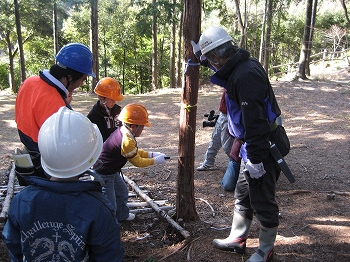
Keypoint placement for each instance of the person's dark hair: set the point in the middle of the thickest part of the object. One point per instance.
(58, 72)
(225, 50)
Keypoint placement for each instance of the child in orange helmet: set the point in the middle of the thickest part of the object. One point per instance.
(105, 112)
(118, 149)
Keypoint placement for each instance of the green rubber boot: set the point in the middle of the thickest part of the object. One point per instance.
(267, 237)
(236, 241)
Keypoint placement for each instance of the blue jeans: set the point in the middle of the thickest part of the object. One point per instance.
(116, 191)
(231, 175)
(219, 138)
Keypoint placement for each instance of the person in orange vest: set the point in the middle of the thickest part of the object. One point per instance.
(41, 96)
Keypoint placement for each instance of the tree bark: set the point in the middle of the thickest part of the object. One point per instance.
(185, 201)
(154, 51)
(242, 26)
(172, 71)
(268, 36)
(345, 11)
(262, 38)
(55, 29)
(303, 53)
(312, 27)
(94, 40)
(20, 42)
(11, 55)
(180, 55)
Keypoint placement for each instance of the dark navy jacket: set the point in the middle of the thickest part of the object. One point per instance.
(251, 104)
(62, 221)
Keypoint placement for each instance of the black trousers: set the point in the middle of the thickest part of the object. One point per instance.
(258, 196)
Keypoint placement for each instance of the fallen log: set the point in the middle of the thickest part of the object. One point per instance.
(148, 210)
(9, 195)
(157, 209)
(144, 204)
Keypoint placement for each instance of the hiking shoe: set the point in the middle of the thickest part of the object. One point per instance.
(203, 167)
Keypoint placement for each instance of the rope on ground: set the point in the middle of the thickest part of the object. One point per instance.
(205, 201)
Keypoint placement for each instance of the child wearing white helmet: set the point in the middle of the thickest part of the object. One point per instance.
(118, 149)
(64, 219)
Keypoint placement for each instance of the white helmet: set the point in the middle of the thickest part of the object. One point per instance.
(69, 144)
(213, 37)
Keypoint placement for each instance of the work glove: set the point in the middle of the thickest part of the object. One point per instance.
(255, 170)
(160, 159)
(154, 154)
(197, 51)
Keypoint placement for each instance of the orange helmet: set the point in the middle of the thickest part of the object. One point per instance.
(110, 88)
(135, 114)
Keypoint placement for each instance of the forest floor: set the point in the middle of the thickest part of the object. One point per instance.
(314, 211)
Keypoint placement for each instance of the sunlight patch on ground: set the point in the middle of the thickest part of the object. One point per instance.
(335, 232)
(293, 240)
(331, 137)
(333, 219)
(329, 90)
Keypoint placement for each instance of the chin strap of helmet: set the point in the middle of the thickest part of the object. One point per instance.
(104, 104)
(68, 82)
(131, 131)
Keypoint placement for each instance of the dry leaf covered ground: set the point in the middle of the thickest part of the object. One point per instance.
(315, 214)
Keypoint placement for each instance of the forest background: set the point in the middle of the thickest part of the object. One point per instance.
(140, 43)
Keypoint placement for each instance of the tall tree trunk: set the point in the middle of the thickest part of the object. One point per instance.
(154, 51)
(124, 69)
(11, 63)
(160, 56)
(303, 53)
(94, 40)
(104, 44)
(262, 38)
(242, 25)
(172, 71)
(180, 53)
(268, 36)
(312, 27)
(345, 10)
(55, 29)
(185, 201)
(20, 42)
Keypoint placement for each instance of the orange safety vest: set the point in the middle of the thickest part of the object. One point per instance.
(35, 102)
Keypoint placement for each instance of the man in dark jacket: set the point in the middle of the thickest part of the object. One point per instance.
(64, 219)
(252, 112)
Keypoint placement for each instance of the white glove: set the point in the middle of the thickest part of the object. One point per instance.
(154, 154)
(255, 170)
(159, 159)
